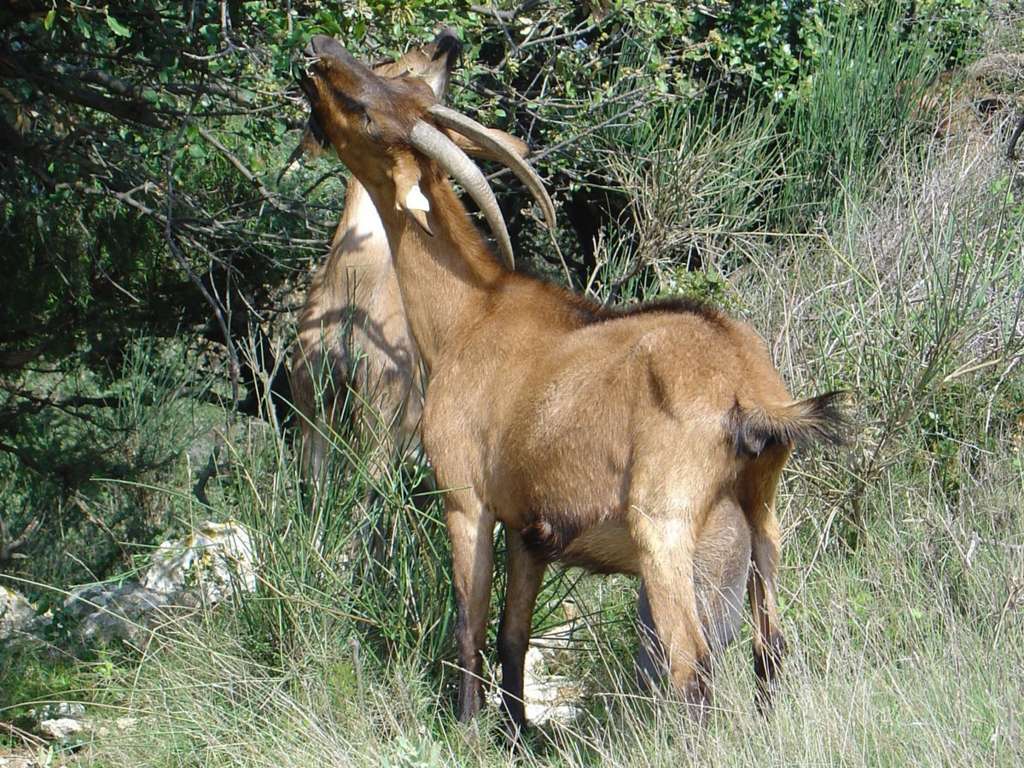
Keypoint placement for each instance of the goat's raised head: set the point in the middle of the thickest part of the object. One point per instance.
(433, 63)
(386, 129)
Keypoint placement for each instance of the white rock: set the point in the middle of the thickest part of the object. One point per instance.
(217, 558)
(61, 728)
(16, 613)
(548, 697)
(212, 563)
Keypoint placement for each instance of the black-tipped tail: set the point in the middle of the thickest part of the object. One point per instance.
(817, 419)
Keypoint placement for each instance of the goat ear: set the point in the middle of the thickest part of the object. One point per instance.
(408, 195)
(417, 206)
(473, 149)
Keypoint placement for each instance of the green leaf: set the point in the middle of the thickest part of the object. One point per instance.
(51, 16)
(83, 26)
(117, 27)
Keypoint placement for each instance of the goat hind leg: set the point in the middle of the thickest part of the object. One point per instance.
(651, 666)
(769, 643)
(667, 570)
(758, 502)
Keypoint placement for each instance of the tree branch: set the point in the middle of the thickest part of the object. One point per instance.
(265, 193)
(56, 82)
(9, 547)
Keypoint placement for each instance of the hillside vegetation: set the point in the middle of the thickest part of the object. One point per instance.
(835, 173)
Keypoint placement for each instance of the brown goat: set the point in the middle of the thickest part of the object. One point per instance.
(632, 441)
(353, 335)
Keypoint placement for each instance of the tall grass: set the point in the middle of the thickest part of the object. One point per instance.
(702, 184)
(864, 97)
(891, 663)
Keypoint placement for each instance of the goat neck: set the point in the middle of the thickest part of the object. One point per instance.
(445, 278)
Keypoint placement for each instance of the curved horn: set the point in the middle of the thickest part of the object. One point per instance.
(470, 128)
(435, 145)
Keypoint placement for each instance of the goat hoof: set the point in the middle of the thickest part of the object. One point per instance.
(698, 700)
(767, 666)
(768, 660)
(515, 734)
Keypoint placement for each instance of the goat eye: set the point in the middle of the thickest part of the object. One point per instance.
(368, 125)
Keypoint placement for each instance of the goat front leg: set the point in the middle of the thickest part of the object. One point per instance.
(666, 550)
(651, 667)
(525, 573)
(471, 529)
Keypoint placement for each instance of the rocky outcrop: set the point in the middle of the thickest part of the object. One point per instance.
(17, 615)
(215, 561)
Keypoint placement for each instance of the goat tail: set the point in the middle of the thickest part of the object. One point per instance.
(756, 428)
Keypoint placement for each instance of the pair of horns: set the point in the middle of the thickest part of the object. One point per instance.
(438, 147)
